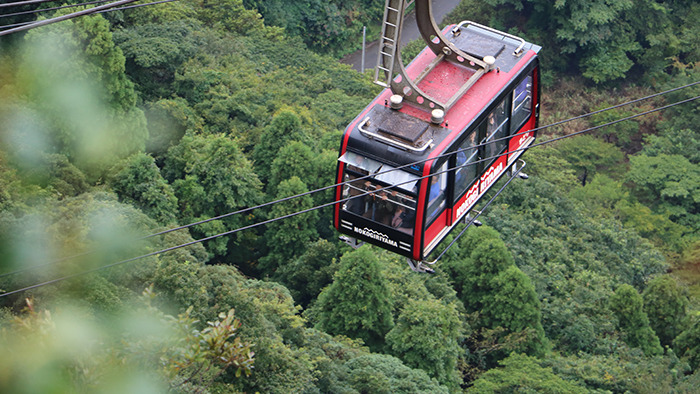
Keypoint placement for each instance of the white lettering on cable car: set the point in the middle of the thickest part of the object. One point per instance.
(368, 232)
(523, 139)
(472, 196)
(491, 176)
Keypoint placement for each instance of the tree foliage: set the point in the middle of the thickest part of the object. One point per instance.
(358, 303)
(687, 343)
(604, 40)
(669, 183)
(426, 336)
(138, 181)
(633, 321)
(288, 238)
(666, 303)
(522, 373)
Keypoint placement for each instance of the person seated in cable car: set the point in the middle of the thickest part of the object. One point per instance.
(434, 195)
(434, 189)
(460, 170)
(379, 207)
(398, 217)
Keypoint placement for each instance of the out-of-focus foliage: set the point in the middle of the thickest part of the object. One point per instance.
(71, 96)
(70, 350)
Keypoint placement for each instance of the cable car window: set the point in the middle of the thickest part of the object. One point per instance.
(496, 132)
(389, 206)
(436, 193)
(401, 179)
(466, 168)
(368, 165)
(522, 103)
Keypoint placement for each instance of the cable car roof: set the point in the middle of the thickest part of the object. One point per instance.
(407, 135)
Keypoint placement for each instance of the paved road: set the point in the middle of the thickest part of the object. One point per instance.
(409, 33)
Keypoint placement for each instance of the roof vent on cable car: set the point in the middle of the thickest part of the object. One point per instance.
(396, 101)
(437, 116)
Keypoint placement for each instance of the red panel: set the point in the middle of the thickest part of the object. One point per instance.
(491, 175)
(418, 232)
(435, 228)
(338, 190)
(466, 202)
(520, 141)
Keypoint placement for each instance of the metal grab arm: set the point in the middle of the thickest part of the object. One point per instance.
(436, 41)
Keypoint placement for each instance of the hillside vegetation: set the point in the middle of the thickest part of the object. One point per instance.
(118, 126)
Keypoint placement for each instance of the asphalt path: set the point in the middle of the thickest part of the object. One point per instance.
(409, 33)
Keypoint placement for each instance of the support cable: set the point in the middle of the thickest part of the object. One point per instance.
(230, 232)
(66, 17)
(51, 9)
(249, 209)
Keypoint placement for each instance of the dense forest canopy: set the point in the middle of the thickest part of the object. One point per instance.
(115, 127)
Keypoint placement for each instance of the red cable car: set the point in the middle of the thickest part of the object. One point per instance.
(417, 159)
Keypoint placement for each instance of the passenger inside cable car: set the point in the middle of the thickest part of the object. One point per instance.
(387, 197)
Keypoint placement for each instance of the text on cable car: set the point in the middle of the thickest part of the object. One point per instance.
(367, 232)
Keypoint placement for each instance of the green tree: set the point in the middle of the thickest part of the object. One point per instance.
(603, 39)
(426, 335)
(293, 159)
(381, 373)
(137, 180)
(286, 126)
(503, 303)
(358, 303)
(668, 183)
(514, 306)
(621, 133)
(229, 15)
(672, 141)
(324, 26)
(589, 155)
(288, 238)
(665, 303)
(625, 370)
(155, 51)
(521, 373)
(627, 305)
(687, 343)
(486, 257)
(211, 177)
(308, 274)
